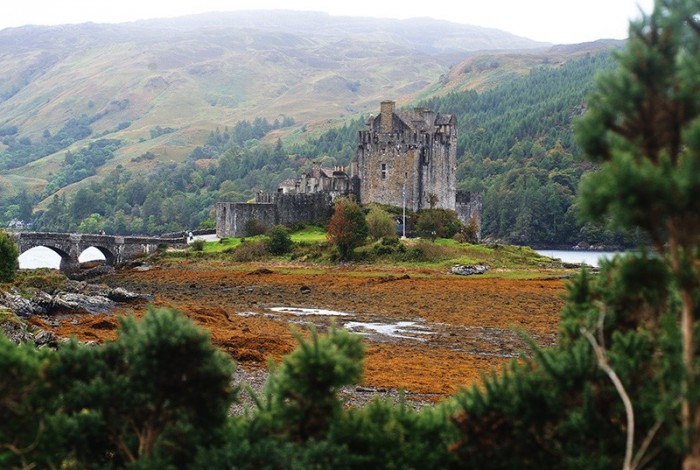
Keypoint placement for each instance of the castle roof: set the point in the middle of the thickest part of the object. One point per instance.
(417, 120)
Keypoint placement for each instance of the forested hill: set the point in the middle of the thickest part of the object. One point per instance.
(141, 128)
(516, 147)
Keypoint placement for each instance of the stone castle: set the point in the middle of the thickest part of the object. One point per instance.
(402, 157)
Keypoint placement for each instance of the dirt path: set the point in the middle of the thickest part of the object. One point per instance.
(426, 332)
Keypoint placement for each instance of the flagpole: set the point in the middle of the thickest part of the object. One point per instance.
(403, 197)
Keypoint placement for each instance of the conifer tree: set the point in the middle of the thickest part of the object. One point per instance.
(643, 127)
(303, 391)
(8, 258)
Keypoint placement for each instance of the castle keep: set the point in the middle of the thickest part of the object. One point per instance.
(412, 154)
(401, 157)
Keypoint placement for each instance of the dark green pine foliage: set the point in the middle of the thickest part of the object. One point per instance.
(300, 406)
(148, 399)
(25, 405)
(557, 409)
(304, 388)
(643, 126)
(9, 263)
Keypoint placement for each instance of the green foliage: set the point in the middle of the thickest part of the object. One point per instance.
(150, 398)
(251, 250)
(303, 389)
(9, 263)
(557, 409)
(23, 413)
(280, 241)
(84, 163)
(21, 151)
(434, 223)
(380, 224)
(141, 396)
(159, 131)
(643, 127)
(197, 245)
(347, 228)
(389, 246)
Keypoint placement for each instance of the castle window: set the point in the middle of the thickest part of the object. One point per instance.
(383, 171)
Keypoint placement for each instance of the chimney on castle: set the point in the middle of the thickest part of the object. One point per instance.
(387, 114)
(316, 170)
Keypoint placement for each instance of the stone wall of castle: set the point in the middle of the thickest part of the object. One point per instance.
(304, 208)
(270, 210)
(232, 217)
(468, 208)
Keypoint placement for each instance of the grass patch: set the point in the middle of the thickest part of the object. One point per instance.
(48, 280)
(222, 245)
(309, 234)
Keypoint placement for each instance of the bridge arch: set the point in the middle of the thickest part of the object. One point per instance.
(110, 258)
(64, 257)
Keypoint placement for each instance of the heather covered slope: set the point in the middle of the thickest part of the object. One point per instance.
(203, 71)
(192, 75)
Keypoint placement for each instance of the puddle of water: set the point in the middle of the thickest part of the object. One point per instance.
(395, 330)
(248, 314)
(309, 311)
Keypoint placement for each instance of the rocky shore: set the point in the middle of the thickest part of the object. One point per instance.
(19, 307)
(427, 331)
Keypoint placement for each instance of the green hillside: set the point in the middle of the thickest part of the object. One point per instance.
(232, 104)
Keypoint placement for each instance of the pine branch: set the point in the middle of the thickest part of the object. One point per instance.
(629, 410)
(631, 461)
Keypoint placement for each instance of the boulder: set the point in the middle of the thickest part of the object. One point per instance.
(22, 307)
(89, 303)
(468, 269)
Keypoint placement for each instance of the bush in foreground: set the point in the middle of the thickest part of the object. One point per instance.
(9, 263)
(150, 398)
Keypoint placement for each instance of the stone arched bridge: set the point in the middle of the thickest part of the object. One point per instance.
(116, 249)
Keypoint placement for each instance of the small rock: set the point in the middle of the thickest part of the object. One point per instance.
(44, 337)
(305, 289)
(120, 294)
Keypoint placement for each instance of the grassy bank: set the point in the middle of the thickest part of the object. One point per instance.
(310, 247)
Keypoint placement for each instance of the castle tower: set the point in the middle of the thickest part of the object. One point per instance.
(386, 116)
(407, 154)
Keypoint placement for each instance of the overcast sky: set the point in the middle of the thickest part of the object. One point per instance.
(556, 21)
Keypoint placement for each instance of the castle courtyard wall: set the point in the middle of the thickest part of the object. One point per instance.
(284, 209)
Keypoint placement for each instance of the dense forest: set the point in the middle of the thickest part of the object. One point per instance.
(515, 147)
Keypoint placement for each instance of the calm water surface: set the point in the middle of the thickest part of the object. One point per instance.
(591, 258)
(42, 257)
